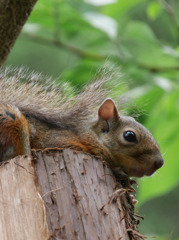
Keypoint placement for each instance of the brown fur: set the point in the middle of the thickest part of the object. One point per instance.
(87, 122)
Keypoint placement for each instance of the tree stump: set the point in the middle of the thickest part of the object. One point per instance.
(62, 194)
(22, 211)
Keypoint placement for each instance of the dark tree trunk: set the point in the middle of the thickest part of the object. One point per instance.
(13, 15)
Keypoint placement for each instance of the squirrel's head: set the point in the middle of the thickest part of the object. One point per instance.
(132, 147)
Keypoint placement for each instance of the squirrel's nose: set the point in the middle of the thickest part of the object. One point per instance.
(158, 163)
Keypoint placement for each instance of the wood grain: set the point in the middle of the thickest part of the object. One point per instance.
(22, 212)
(78, 193)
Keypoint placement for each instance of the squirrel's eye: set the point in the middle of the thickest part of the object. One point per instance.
(130, 136)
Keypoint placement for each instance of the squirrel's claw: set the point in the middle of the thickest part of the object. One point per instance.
(124, 179)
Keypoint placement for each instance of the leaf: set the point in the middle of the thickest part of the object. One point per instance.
(153, 10)
(145, 48)
(104, 23)
(120, 8)
(100, 2)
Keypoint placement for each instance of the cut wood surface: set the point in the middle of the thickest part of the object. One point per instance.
(63, 195)
(22, 212)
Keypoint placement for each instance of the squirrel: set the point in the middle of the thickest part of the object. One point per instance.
(37, 116)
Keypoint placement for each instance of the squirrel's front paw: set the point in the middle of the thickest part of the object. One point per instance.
(14, 132)
(124, 178)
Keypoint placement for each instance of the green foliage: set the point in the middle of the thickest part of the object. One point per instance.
(74, 38)
(153, 10)
(163, 122)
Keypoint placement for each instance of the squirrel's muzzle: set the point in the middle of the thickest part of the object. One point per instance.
(158, 163)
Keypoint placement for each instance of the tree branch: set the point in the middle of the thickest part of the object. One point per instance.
(59, 44)
(169, 9)
(158, 69)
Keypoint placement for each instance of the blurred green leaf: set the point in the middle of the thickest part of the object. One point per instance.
(104, 23)
(140, 31)
(153, 10)
(120, 8)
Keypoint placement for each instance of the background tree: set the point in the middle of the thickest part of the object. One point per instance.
(13, 15)
(73, 39)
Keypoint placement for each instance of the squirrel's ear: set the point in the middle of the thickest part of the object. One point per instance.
(108, 110)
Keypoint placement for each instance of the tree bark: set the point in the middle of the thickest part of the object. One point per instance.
(63, 195)
(13, 15)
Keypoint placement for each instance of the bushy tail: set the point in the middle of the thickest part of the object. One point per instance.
(40, 97)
